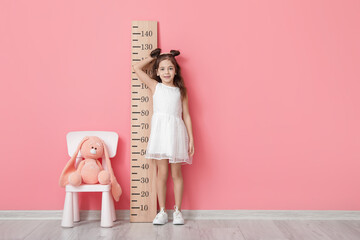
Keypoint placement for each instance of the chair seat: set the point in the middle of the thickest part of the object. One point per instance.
(88, 188)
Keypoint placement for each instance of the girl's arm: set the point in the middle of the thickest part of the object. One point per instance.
(187, 121)
(151, 83)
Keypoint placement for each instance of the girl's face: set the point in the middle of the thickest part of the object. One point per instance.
(166, 71)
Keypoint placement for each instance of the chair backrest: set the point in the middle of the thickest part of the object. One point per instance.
(74, 138)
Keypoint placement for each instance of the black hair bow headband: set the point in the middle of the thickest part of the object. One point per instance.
(156, 53)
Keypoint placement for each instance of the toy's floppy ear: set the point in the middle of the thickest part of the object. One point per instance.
(115, 186)
(70, 166)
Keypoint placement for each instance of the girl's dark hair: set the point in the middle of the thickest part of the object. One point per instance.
(178, 79)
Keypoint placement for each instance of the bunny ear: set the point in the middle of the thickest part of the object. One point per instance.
(155, 53)
(175, 52)
(70, 166)
(115, 186)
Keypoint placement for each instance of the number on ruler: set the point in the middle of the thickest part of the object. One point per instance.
(144, 193)
(147, 46)
(148, 71)
(146, 33)
(144, 112)
(144, 99)
(145, 166)
(144, 180)
(144, 139)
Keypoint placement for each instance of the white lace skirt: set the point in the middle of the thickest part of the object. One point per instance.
(168, 139)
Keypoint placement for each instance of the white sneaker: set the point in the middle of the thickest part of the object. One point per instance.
(161, 218)
(177, 217)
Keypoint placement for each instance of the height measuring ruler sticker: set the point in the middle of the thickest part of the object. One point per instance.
(143, 201)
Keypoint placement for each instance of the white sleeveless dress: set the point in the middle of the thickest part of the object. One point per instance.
(168, 135)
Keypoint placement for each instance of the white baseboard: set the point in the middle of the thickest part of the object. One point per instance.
(196, 215)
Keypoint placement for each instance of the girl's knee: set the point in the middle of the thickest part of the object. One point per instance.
(176, 174)
(176, 171)
(162, 176)
(163, 171)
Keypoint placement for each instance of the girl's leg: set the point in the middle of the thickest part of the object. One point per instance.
(178, 183)
(162, 175)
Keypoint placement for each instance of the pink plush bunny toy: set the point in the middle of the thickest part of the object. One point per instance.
(90, 170)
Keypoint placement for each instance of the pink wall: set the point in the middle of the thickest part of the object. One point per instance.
(273, 85)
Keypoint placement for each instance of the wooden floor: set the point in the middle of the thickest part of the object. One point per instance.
(193, 229)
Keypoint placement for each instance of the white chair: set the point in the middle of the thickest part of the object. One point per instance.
(71, 206)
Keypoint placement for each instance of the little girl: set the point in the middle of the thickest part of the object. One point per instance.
(171, 138)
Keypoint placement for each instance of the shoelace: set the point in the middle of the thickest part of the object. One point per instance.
(178, 214)
(162, 212)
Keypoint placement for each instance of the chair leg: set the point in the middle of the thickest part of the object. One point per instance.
(106, 215)
(67, 219)
(76, 207)
(112, 207)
